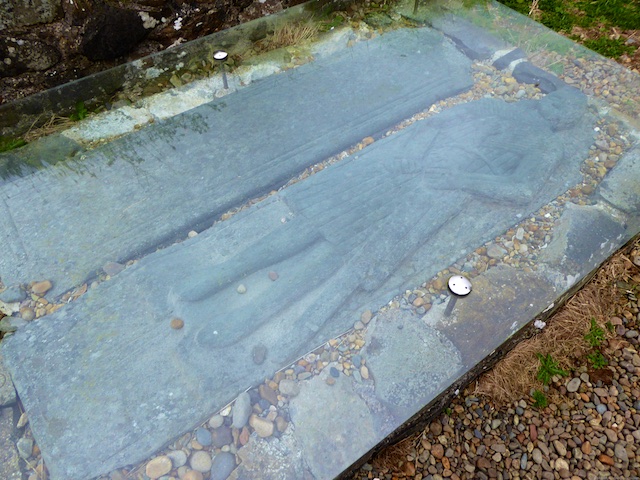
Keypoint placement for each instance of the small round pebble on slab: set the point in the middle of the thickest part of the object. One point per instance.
(40, 288)
(273, 276)
(177, 323)
(241, 289)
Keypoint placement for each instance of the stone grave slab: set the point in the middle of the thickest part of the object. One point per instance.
(338, 241)
(498, 186)
(121, 200)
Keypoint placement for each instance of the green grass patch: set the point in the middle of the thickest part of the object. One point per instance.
(595, 335)
(608, 47)
(597, 360)
(539, 399)
(80, 113)
(548, 368)
(563, 15)
(8, 143)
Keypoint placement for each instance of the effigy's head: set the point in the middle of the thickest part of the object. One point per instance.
(563, 108)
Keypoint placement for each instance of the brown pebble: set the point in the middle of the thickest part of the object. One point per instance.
(268, 394)
(533, 432)
(366, 316)
(192, 475)
(437, 451)
(418, 302)
(586, 447)
(177, 323)
(330, 380)
(40, 288)
(158, 467)
(273, 276)
(587, 189)
(27, 314)
(367, 141)
(606, 460)
(243, 438)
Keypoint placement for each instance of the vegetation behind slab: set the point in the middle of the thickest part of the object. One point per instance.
(609, 27)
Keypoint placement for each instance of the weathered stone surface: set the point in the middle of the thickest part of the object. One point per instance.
(22, 55)
(621, 187)
(332, 436)
(97, 187)
(502, 301)
(271, 459)
(9, 459)
(17, 13)
(526, 72)
(7, 392)
(584, 237)
(410, 361)
(474, 42)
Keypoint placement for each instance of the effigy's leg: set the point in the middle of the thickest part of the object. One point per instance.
(287, 241)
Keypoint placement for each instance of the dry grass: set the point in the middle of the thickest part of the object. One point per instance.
(398, 457)
(287, 34)
(534, 11)
(563, 337)
(55, 124)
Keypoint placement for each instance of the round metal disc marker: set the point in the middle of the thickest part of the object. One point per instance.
(460, 285)
(220, 55)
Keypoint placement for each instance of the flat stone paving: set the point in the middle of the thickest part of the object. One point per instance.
(510, 175)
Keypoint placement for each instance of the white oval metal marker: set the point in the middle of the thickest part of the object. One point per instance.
(459, 286)
(221, 56)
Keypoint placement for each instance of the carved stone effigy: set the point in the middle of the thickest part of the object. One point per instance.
(284, 275)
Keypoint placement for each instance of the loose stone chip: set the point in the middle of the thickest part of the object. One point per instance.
(177, 323)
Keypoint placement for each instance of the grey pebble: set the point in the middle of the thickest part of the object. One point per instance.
(573, 385)
(221, 436)
(621, 452)
(289, 387)
(223, 464)
(113, 268)
(13, 294)
(356, 360)
(601, 408)
(203, 436)
(241, 410)
(334, 372)
(520, 410)
(523, 461)
(178, 458)
(258, 354)
(25, 447)
(216, 421)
